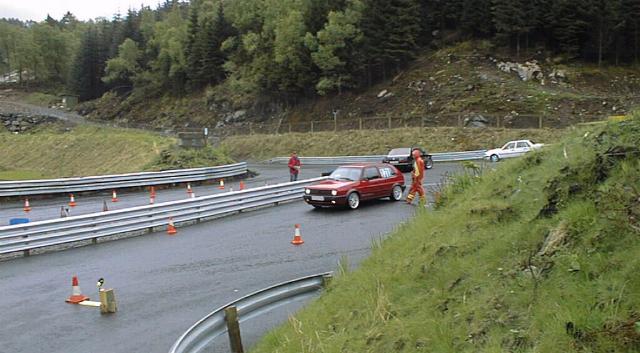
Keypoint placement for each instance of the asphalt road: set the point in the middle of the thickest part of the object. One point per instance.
(49, 208)
(164, 284)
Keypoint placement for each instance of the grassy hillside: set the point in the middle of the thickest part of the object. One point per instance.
(80, 151)
(541, 255)
(260, 147)
(461, 80)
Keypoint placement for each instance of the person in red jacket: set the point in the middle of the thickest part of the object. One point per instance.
(417, 175)
(294, 167)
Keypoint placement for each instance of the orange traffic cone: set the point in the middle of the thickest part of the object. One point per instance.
(114, 196)
(76, 295)
(104, 206)
(189, 191)
(241, 185)
(221, 187)
(171, 229)
(26, 207)
(152, 199)
(153, 191)
(72, 201)
(297, 238)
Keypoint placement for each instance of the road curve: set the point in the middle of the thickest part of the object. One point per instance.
(165, 283)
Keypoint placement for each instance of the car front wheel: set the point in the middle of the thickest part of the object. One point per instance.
(396, 193)
(428, 163)
(353, 200)
(494, 158)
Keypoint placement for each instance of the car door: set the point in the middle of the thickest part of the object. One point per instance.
(370, 182)
(522, 147)
(509, 150)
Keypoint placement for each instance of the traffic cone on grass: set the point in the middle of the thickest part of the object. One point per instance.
(26, 207)
(221, 186)
(72, 201)
(114, 196)
(171, 229)
(297, 238)
(76, 295)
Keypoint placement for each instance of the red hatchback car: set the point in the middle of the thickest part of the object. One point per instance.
(348, 185)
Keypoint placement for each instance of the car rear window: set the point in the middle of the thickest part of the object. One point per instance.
(400, 152)
(387, 172)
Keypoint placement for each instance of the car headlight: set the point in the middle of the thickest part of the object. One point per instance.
(307, 191)
(334, 192)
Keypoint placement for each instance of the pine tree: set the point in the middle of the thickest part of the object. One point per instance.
(192, 53)
(511, 20)
(85, 75)
(476, 18)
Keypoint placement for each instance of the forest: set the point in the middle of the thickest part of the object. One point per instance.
(290, 49)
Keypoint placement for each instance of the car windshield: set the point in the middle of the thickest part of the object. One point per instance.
(342, 173)
(400, 152)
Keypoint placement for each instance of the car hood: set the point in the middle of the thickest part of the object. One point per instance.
(331, 185)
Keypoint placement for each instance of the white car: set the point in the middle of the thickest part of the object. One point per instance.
(512, 149)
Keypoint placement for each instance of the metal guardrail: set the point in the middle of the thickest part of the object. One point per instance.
(437, 157)
(28, 236)
(104, 182)
(201, 334)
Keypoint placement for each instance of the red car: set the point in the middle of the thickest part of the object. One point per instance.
(348, 185)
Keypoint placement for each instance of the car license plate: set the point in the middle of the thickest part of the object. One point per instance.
(317, 198)
(394, 162)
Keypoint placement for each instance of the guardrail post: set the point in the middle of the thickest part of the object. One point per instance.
(539, 121)
(233, 328)
(360, 123)
(250, 128)
(389, 123)
(312, 126)
(289, 127)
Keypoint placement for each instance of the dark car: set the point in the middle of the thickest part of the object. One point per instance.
(402, 158)
(348, 185)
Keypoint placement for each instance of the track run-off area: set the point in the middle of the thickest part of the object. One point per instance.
(164, 284)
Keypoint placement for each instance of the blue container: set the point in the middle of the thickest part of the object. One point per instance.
(13, 221)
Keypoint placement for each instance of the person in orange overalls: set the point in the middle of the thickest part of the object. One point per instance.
(417, 175)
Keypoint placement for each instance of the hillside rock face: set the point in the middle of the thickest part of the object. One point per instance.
(17, 123)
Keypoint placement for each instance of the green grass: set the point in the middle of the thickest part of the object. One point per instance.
(41, 99)
(81, 151)
(260, 147)
(508, 262)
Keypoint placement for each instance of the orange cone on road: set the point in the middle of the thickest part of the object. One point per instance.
(153, 191)
(76, 295)
(171, 229)
(26, 207)
(241, 185)
(297, 238)
(221, 186)
(114, 196)
(189, 190)
(72, 201)
(152, 199)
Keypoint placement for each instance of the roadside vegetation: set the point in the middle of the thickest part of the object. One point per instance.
(540, 255)
(341, 143)
(57, 151)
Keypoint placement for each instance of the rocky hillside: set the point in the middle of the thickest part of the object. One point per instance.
(466, 80)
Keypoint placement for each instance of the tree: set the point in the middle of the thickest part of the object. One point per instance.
(121, 69)
(334, 48)
(86, 70)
